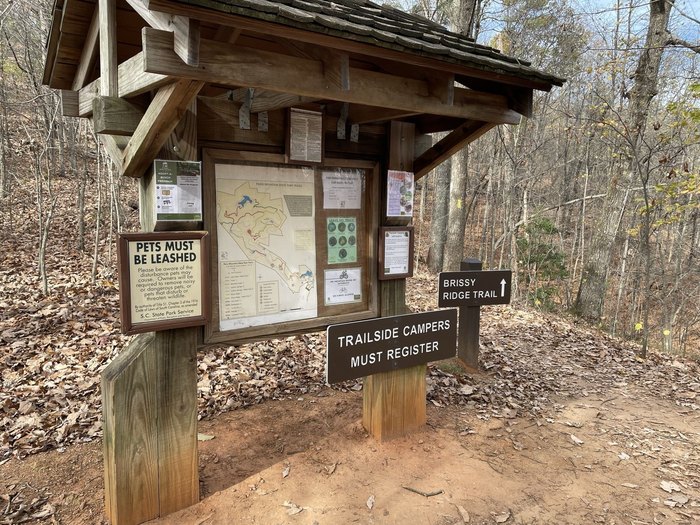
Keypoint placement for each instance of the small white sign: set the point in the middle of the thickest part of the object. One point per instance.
(397, 251)
(342, 190)
(343, 286)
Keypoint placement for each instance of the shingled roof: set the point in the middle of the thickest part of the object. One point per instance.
(380, 25)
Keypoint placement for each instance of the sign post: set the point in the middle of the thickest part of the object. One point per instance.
(469, 290)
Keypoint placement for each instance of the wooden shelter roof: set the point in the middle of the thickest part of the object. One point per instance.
(135, 65)
(383, 26)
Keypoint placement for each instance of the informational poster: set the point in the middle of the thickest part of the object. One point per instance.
(266, 245)
(399, 194)
(161, 277)
(178, 190)
(397, 252)
(342, 189)
(305, 135)
(343, 286)
(342, 239)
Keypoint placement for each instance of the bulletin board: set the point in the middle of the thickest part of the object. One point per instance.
(293, 247)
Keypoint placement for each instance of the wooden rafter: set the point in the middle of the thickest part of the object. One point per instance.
(275, 72)
(89, 53)
(186, 30)
(161, 117)
(449, 145)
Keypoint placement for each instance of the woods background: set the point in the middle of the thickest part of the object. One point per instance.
(594, 202)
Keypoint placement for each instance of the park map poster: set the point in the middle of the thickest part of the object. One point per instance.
(266, 245)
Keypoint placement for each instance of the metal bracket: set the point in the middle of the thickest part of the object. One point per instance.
(244, 111)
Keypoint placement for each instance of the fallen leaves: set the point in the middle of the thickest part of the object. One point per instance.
(23, 503)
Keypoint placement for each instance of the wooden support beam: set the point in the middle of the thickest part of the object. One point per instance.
(449, 145)
(394, 402)
(70, 103)
(442, 87)
(129, 399)
(131, 79)
(115, 116)
(268, 100)
(109, 81)
(186, 30)
(114, 148)
(160, 119)
(272, 71)
(89, 53)
(368, 114)
(336, 69)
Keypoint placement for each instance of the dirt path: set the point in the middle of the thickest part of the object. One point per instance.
(601, 459)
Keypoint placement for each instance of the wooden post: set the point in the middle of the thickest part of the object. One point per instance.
(394, 402)
(149, 398)
(469, 320)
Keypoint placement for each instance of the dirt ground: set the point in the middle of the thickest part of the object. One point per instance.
(616, 457)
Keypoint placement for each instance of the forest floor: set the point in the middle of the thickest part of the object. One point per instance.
(561, 424)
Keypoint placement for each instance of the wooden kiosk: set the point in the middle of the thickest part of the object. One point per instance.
(302, 107)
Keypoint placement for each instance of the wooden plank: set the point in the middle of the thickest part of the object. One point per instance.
(443, 88)
(449, 145)
(130, 445)
(89, 53)
(176, 414)
(186, 31)
(245, 67)
(115, 116)
(218, 121)
(336, 69)
(69, 103)
(342, 44)
(394, 402)
(368, 114)
(267, 100)
(109, 79)
(114, 150)
(160, 119)
(132, 81)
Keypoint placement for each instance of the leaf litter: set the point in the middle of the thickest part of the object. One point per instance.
(53, 349)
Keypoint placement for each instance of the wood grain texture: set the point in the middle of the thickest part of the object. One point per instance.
(176, 414)
(115, 116)
(162, 116)
(130, 445)
(393, 403)
(234, 65)
(107, 14)
(449, 145)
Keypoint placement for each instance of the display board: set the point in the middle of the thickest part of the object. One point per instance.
(162, 280)
(292, 248)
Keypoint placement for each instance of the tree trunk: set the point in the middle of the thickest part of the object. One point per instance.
(457, 217)
(590, 302)
(438, 222)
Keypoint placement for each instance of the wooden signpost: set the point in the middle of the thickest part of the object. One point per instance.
(470, 289)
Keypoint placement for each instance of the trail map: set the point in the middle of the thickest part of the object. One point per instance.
(265, 230)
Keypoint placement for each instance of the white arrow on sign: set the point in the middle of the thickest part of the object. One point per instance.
(503, 287)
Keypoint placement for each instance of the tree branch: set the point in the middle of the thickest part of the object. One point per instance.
(679, 42)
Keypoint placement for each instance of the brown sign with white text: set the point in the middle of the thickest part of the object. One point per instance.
(378, 345)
